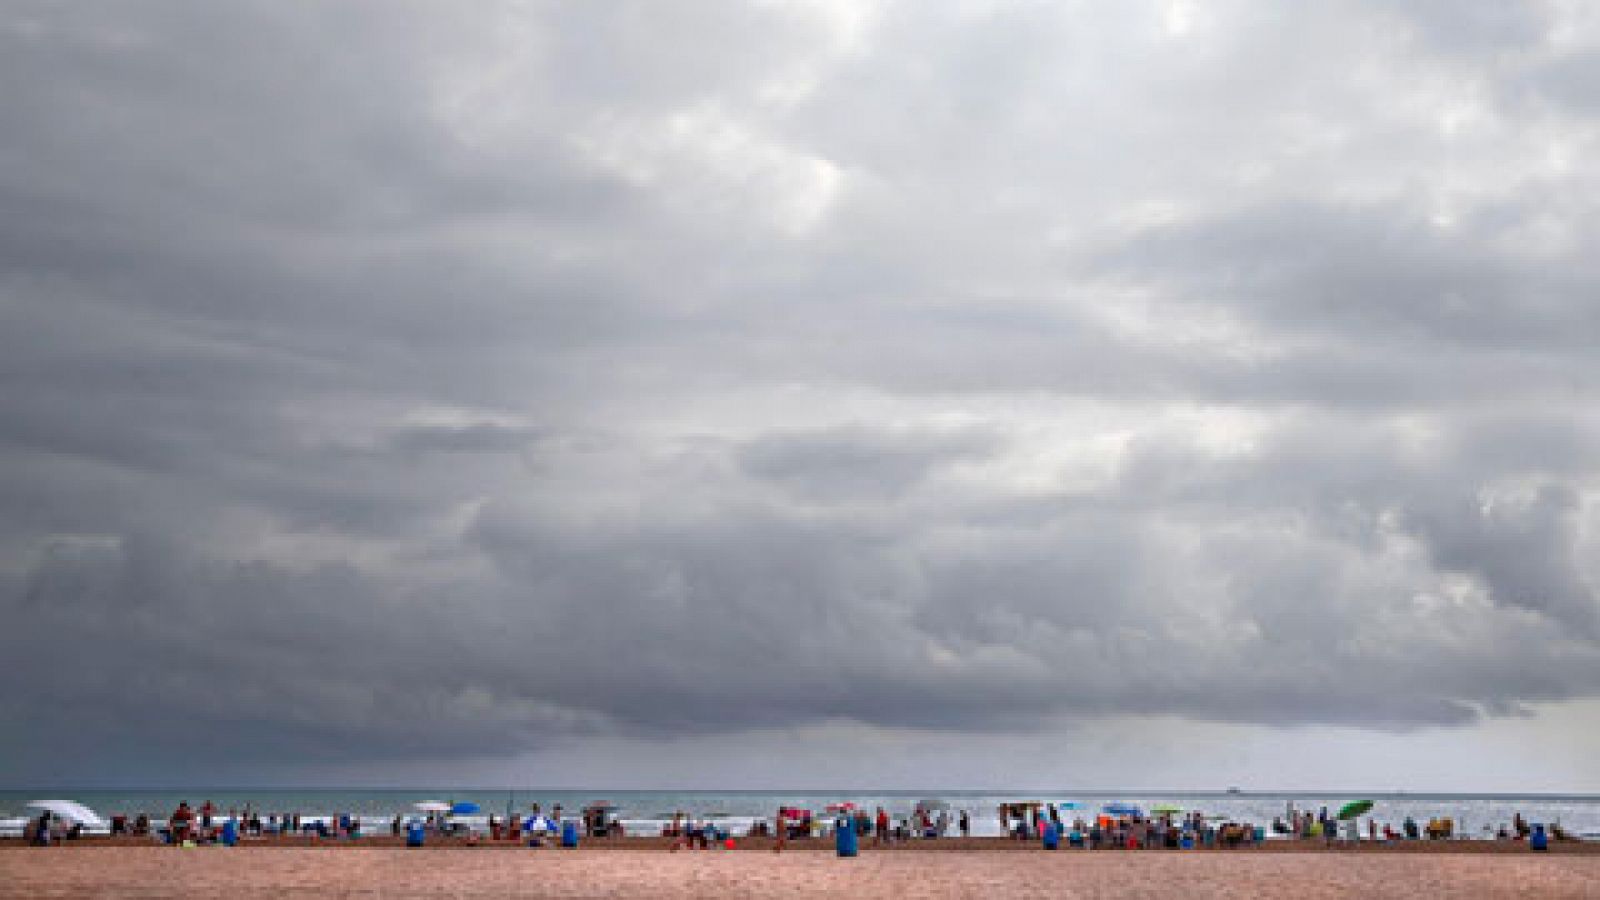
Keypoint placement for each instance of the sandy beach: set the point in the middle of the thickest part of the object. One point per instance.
(988, 871)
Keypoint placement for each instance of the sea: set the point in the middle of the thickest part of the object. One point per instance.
(645, 812)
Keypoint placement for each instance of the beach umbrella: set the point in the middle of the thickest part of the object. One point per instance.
(464, 808)
(844, 807)
(1354, 808)
(1165, 809)
(70, 811)
(1122, 809)
(431, 806)
(1067, 804)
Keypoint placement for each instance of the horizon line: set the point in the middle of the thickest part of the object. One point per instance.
(1242, 792)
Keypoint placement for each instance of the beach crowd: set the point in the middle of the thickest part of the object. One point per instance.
(1116, 827)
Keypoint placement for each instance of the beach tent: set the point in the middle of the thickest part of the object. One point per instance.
(70, 811)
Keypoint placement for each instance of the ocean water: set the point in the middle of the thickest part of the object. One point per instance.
(644, 812)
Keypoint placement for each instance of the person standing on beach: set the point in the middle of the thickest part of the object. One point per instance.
(780, 832)
(677, 830)
(966, 825)
(180, 821)
(882, 824)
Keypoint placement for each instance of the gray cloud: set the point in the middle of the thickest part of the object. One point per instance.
(381, 379)
(856, 462)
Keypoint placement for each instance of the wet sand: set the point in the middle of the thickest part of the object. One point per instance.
(992, 870)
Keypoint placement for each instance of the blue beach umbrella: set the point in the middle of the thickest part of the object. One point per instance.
(1122, 809)
(464, 808)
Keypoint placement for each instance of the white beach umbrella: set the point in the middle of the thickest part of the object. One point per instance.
(71, 811)
(431, 806)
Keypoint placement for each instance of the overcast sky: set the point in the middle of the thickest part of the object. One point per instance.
(942, 394)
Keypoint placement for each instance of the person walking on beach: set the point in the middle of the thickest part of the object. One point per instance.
(966, 825)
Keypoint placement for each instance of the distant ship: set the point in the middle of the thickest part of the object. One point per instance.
(1234, 790)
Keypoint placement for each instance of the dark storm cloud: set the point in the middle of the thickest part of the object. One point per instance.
(1370, 272)
(854, 461)
(381, 379)
(481, 437)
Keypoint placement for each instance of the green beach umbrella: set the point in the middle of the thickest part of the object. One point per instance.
(1354, 808)
(1163, 809)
